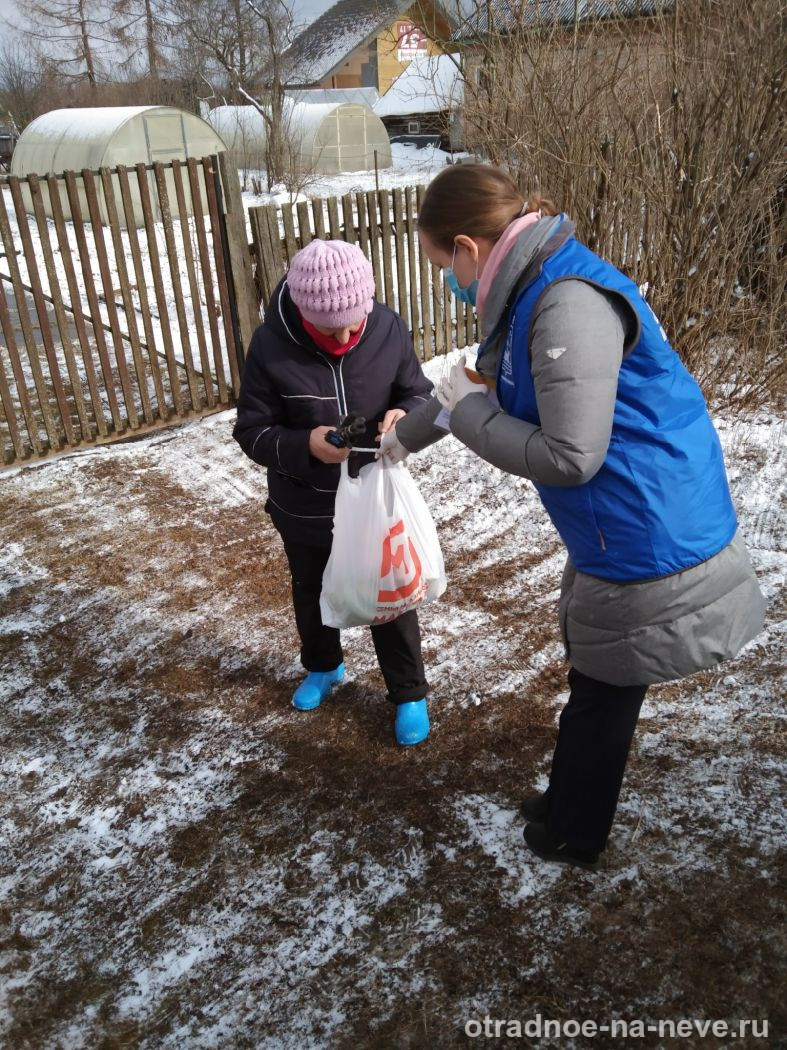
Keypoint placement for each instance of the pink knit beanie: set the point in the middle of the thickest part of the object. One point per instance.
(331, 283)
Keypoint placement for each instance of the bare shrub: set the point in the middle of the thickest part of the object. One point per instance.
(25, 88)
(664, 139)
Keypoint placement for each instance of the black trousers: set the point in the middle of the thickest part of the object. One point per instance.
(397, 643)
(594, 736)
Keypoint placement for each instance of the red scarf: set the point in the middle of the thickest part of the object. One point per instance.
(327, 342)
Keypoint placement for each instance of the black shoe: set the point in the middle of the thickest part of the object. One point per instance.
(547, 847)
(534, 807)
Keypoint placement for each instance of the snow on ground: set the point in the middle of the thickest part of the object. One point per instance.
(187, 861)
(187, 318)
(411, 167)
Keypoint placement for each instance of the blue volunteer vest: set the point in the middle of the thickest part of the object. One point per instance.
(660, 502)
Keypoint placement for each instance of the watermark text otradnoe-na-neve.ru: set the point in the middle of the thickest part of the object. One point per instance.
(539, 1027)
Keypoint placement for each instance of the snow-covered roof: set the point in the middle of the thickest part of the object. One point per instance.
(336, 34)
(505, 15)
(360, 96)
(429, 84)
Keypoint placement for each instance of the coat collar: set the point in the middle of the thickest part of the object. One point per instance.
(283, 318)
(522, 261)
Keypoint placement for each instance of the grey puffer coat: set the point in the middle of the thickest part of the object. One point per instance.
(633, 633)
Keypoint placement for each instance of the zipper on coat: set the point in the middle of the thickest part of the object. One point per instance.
(344, 393)
(339, 403)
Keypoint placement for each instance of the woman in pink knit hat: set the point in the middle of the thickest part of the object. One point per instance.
(327, 350)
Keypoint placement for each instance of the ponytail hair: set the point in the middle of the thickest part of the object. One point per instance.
(535, 202)
(474, 199)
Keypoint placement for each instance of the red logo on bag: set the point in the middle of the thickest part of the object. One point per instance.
(395, 563)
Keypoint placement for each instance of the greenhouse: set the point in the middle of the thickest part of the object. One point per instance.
(93, 138)
(326, 138)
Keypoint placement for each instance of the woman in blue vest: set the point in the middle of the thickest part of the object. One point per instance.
(582, 393)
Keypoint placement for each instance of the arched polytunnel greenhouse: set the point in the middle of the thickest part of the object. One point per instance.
(104, 137)
(327, 138)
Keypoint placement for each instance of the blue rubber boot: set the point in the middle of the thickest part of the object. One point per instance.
(315, 687)
(412, 723)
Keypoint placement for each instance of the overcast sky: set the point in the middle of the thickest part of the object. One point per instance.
(305, 10)
(8, 10)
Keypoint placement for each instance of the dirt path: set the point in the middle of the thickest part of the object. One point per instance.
(189, 862)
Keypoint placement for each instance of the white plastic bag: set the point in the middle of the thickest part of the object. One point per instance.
(385, 558)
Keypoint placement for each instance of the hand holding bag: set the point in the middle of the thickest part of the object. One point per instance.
(386, 557)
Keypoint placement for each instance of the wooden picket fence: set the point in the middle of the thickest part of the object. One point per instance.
(126, 302)
(382, 223)
(128, 296)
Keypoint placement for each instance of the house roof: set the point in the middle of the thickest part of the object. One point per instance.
(335, 34)
(362, 96)
(330, 38)
(429, 85)
(505, 15)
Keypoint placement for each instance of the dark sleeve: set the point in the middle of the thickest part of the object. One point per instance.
(260, 429)
(411, 387)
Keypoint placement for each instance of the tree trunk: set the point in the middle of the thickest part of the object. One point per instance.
(150, 41)
(236, 4)
(275, 161)
(87, 51)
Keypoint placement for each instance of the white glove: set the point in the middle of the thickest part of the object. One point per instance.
(456, 385)
(392, 448)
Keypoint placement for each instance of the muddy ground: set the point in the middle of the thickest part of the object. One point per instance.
(189, 862)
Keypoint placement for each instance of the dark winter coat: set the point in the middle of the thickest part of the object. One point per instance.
(290, 387)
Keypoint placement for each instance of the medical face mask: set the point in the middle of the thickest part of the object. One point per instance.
(464, 295)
